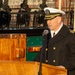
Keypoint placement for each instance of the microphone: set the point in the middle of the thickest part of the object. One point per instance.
(45, 32)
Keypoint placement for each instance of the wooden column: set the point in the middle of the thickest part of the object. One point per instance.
(59, 4)
(62, 4)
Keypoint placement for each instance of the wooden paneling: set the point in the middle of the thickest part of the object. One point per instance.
(65, 5)
(12, 47)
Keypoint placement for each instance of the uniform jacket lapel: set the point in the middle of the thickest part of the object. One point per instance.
(61, 34)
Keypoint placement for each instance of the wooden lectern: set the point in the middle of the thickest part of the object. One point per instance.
(28, 68)
(13, 47)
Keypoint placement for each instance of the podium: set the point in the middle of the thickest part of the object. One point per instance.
(13, 46)
(28, 68)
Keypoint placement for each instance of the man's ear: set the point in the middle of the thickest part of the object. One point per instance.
(59, 19)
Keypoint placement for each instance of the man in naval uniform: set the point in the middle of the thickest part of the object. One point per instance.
(59, 44)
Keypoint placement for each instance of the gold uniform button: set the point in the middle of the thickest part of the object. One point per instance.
(54, 48)
(46, 49)
(54, 61)
(46, 60)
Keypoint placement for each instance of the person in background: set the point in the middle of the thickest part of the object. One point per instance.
(58, 42)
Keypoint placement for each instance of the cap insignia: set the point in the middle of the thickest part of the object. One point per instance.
(47, 12)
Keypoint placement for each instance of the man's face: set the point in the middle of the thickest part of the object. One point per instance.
(54, 24)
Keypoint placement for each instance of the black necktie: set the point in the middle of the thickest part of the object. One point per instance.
(53, 34)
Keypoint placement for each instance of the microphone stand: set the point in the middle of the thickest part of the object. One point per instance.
(41, 56)
(40, 66)
(41, 53)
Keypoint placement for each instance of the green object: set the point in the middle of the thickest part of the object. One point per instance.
(31, 42)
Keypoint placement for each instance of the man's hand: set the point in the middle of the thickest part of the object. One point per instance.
(61, 66)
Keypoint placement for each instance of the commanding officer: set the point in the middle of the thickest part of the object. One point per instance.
(59, 44)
